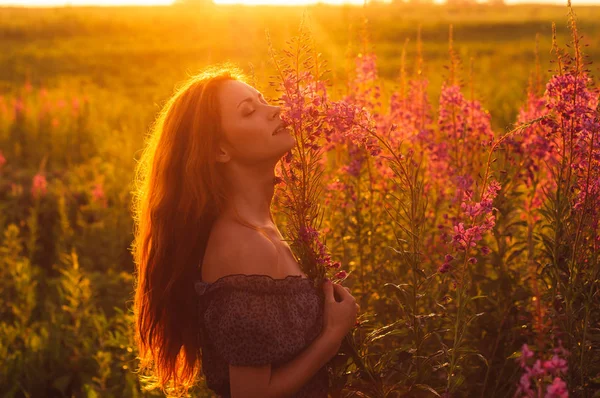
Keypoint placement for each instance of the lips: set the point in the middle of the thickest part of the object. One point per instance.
(279, 129)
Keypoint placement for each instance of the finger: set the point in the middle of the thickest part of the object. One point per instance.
(328, 290)
(344, 294)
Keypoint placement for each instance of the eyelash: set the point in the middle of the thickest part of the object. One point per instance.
(250, 113)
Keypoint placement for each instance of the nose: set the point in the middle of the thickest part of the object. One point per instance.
(276, 112)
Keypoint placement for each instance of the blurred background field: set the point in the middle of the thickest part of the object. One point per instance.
(79, 88)
(128, 58)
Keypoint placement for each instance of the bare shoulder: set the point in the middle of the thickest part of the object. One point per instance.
(235, 249)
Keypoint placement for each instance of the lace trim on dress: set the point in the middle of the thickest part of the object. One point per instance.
(255, 283)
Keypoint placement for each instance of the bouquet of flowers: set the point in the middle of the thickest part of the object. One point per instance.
(317, 124)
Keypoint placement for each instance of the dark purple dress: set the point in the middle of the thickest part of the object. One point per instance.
(252, 320)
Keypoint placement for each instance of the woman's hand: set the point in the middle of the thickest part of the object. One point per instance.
(338, 317)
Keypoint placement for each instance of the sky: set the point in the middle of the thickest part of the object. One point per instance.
(55, 3)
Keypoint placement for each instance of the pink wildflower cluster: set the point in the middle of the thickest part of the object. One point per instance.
(480, 220)
(574, 106)
(412, 114)
(336, 188)
(534, 144)
(310, 239)
(39, 185)
(409, 121)
(567, 95)
(357, 158)
(2, 159)
(19, 108)
(548, 371)
(310, 236)
(358, 113)
(313, 116)
(98, 195)
(460, 149)
(465, 128)
(366, 68)
(538, 154)
(303, 99)
(350, 122)
(363, 91)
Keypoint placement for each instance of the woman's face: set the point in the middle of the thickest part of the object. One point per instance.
(248, 123)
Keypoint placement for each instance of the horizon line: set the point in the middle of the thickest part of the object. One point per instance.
(68, 4)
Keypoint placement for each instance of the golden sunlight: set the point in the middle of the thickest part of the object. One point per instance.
(110, 3)
(288, 2)
(54, 3)
(47, 3)
(58, 3)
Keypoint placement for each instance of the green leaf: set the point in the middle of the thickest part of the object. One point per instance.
(475, 298)
(425, 387)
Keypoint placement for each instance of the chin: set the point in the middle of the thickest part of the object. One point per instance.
(292, 142)
(288, 139)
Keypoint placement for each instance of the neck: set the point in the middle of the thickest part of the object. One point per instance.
(251, 191)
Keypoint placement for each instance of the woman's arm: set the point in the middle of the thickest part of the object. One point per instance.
(289, 378)
(252, 381)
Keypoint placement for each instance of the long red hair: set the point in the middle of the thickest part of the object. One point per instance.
(178, 194)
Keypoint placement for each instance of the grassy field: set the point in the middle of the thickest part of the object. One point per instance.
(131, 57)
(80, 87)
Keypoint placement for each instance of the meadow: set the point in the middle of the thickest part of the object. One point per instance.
(460, 187)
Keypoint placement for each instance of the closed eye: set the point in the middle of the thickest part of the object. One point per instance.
(261, 97)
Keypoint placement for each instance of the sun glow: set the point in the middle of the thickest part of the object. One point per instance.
(54, 3)
(288, 2)
(59, 3)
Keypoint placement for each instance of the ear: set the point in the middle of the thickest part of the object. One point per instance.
(222, 155)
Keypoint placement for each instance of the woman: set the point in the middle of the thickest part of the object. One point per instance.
(217, 289)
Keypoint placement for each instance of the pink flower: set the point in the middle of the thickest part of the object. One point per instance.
(39, 185)
(444, 268)
(2, 159)
(98, 194)
(19, 107)
(358, 158)
(558, 389)
(341, 275)
(525, 354)
(459, 233)
(537, 369)
(556, 365)
(308, 234)
(75, 105)
(524, 383)
(464, 121)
